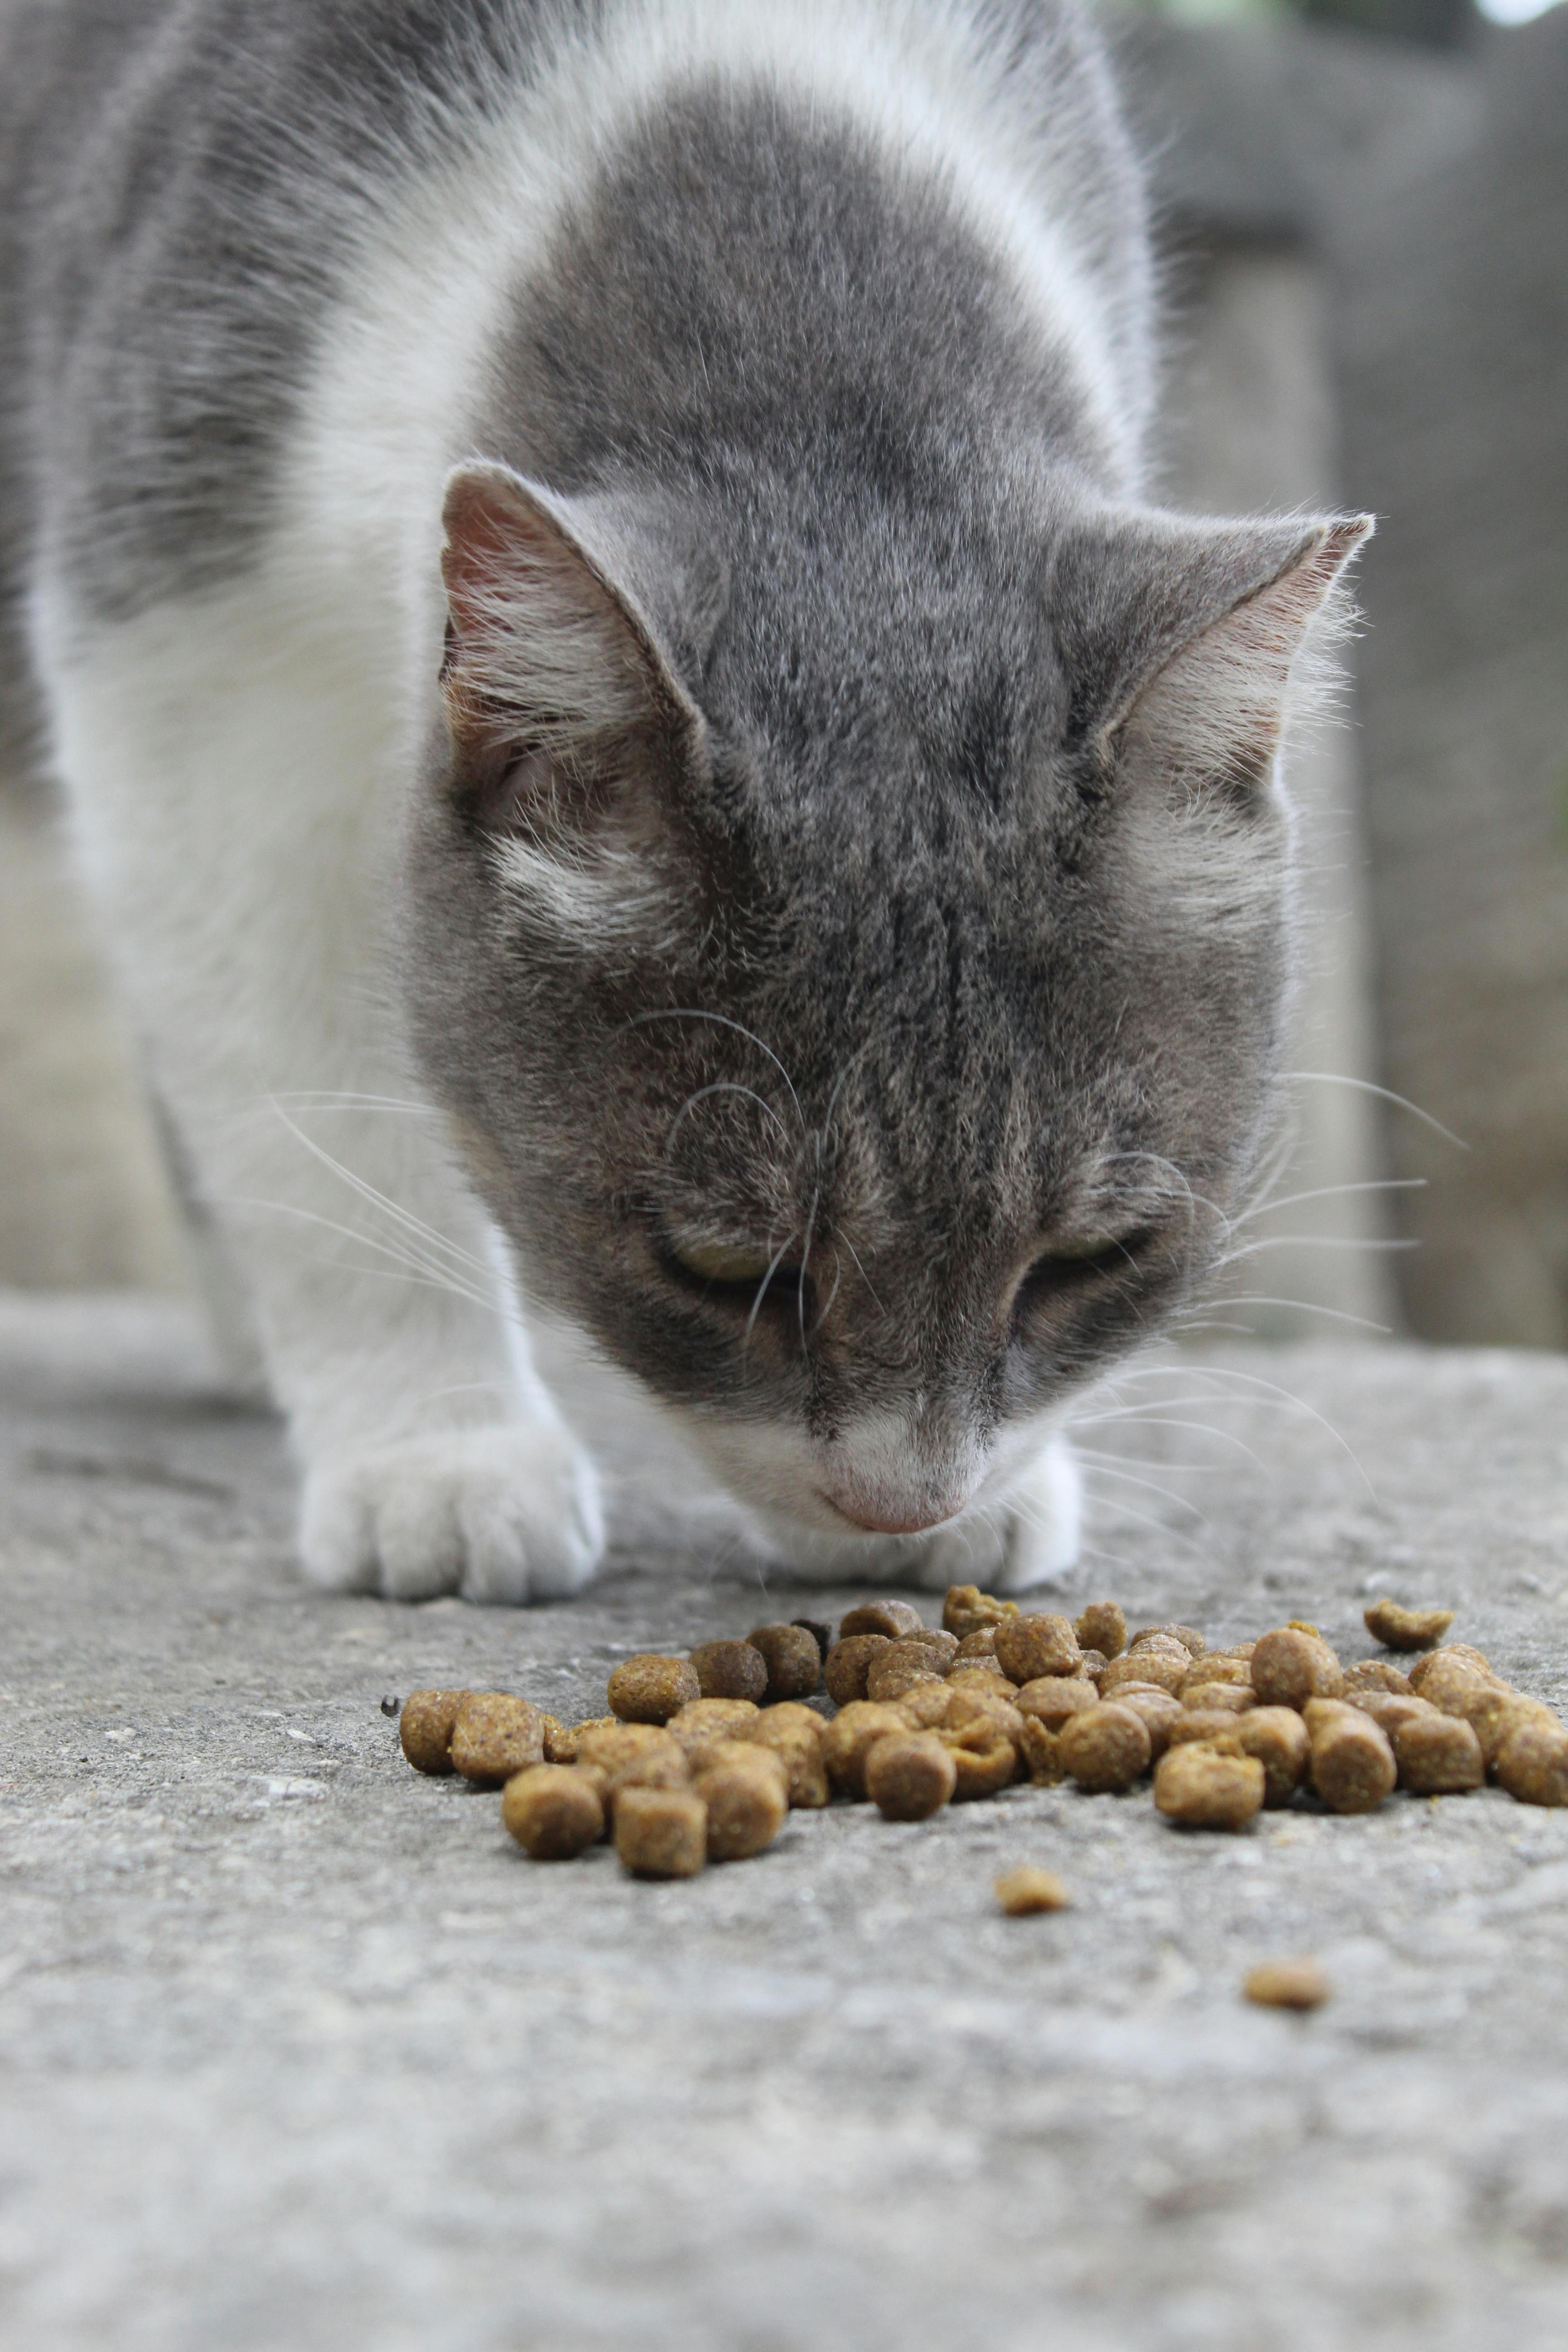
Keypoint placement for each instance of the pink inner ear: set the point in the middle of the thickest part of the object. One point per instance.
(474, 561)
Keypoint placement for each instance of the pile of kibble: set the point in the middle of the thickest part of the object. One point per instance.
(701, 1757)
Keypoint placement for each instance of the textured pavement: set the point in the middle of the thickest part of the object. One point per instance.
(298, 2051)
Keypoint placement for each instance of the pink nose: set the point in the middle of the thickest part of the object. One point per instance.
(890, 1522)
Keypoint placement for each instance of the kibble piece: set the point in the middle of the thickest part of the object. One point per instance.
(650, 1690)
(1389, 1709)
(848, 1739)
(821, 1634)
(848, 1663)
(731, 1670)
(793, 1660)
(1235, 1671)
(1029, 1889)
(565, 1747)
(425, 1727)
(982, 1643)
(661, 1832)
(891, 1618)
(1028, 1647)
(1153, 1669)
(702, 1720)
(1287, 1984)
(910, 1777)
(963, 1706)
(1278, 1738)
(552, 1811)
(1352, 1765)
(903, 1664)
(1189, 1640)
(1437, 1755)
(976, 1674)
(985, 1759)
(1406, 1629)
(1208, 1725)
(1092, 1665)
(924, 1707)
(494, 1736)
(610, 1746)
(1106, 1747)
(1376, 1674)
(1157, 1710)
(799, 1747)
(1452, 1653)
(1532, 1762)
(665, 1766)
(746, 1790)
(1203, 1788)
(1289, 1667)
(1040, 1753)
(1056, 1696)
(1221, 1699)
(1103, 1627)
(966, 1610)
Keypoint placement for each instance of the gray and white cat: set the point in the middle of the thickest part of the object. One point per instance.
(587, 567)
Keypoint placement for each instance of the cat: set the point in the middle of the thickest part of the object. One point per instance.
(648, 756)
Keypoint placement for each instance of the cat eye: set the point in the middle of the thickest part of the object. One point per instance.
(738, 1274)
(1074, 1266)
(721, 1261)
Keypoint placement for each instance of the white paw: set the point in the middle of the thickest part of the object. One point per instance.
(498, 1515)
(1043, 1515)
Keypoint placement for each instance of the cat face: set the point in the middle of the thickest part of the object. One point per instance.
(860, 1009)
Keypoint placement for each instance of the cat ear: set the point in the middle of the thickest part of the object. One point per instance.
(1196, 635)
(548, 649)
(568, 725)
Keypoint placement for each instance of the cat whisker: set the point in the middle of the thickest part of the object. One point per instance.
(722, 1021)
(1383, 1094)
(1330, 1193)
(403, 1218)
(724, 1086)
(404, 1267)
(1300, 1305)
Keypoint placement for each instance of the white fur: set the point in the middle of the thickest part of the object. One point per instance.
(241, 764)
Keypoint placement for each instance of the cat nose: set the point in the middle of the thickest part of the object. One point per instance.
(879, 1521)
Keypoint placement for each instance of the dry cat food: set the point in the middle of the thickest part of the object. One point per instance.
(1287, 1984)
(1028, 1888)
(702, 1759)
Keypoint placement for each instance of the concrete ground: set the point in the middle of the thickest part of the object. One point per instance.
(298, 2051)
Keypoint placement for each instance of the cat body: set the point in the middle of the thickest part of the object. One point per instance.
(655, 783)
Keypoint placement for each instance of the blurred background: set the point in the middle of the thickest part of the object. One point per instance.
(1363, 210)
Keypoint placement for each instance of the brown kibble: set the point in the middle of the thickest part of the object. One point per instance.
(981, 1677)
(1532, 1762)
(650, 1690)
(848, 1663)
(985, 1759)
(1289, 1667)
(1437, 1755)
(966, 1610)
(731, 1670)
(792, 1658)
(1191, 1642)
(1390, 1709)
(889, 1618)
(1029, 1647)
(924, 1707)
(1376, 1674)
(1490, 1708)
(1040, 1753)
(1106, 1747)
(910, 1777)
(1287, 1984)
(1157, 1710)
(552, 1811)
(1406, 1629)
(1235, 1671)
(1092, 1664)
(897, 1668)
(662, 1764)
(821, 1634)
(612, 1745)
(1209, 1726)
(1029, 1889)
(702, 1720)
(565, 1745)
(982, 1643)
(661, 1832)
(1103, 1627)
(1278, 1738)
(1203, 1788)
(1452, 1653)
(1220, 1698)
(1352, 1767)
(848, 1739)
(1056, 1696)
(1156, 1669)
(746, 1790)
(425, 1727)
(796, 1734)
(494, 1736)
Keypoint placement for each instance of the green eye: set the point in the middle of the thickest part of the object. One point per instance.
(729, 1262)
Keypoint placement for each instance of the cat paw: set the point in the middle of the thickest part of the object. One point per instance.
(504, 1515)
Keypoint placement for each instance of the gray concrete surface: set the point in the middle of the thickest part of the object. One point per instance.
(298, 2053)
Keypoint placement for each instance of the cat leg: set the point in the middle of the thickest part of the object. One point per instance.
(234, 770)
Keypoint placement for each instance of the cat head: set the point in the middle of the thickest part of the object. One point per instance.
(854, 956)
